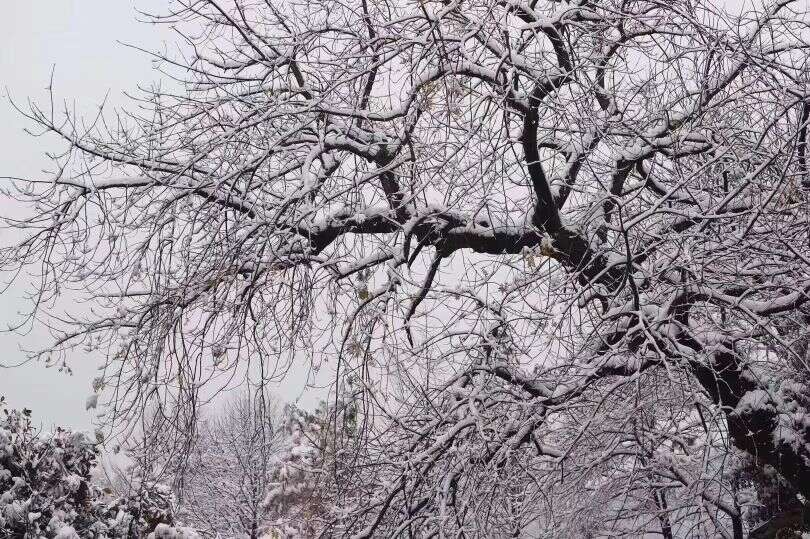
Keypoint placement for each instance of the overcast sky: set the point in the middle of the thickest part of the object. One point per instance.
(78, 39)
(82, 41)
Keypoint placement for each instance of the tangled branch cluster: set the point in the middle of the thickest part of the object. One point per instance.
(556, 251)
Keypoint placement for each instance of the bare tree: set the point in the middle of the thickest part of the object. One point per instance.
(556, 250)
(250, 469)
(226, 477)
(228, 473)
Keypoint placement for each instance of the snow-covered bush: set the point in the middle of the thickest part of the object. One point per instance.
(46, 488)
(45, 481)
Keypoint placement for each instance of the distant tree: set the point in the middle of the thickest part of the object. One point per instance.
(300, 497)
(251, 468)
(556, 250)
(227, 475)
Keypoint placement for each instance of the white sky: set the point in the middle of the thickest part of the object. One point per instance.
(78, 40)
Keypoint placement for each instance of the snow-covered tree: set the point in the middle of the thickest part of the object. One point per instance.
(308, 468)
(556, 249)
(255, 469)
(251, 468)
(230, 470)
(226, 476)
